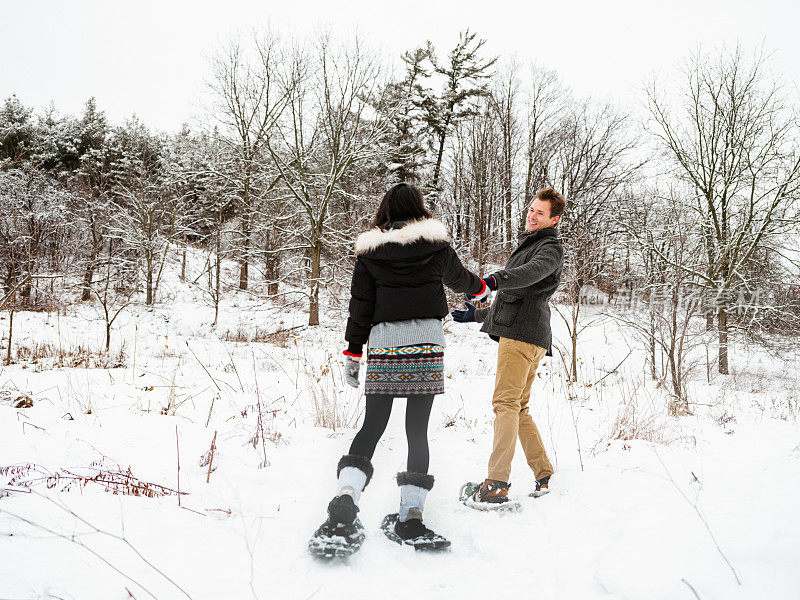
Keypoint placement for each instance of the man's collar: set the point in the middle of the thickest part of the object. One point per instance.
(541, 233)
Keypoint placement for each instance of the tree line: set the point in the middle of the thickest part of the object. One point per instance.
(683, 215)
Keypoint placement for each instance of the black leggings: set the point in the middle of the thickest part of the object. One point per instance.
(418, 410)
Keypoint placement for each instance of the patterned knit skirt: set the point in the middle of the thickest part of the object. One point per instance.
(405, 371)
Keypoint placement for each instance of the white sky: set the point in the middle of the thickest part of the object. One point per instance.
(147, 57)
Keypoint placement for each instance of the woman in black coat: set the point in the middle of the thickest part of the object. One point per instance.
(397, 304)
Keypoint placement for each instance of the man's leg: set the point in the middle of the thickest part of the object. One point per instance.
(528, 432)
(513, 365)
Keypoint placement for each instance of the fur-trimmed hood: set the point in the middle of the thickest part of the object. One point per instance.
(429, 230)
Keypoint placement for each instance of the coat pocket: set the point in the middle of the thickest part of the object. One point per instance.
(507, 309)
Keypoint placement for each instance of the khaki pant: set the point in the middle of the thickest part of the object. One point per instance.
(516, 368)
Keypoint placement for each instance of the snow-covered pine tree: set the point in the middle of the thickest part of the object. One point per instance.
(17, 130)
(402, 104)
(465, 75)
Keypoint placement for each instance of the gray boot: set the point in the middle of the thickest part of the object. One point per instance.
(342, 533)
(354, 473)
(407, 527)
(414, 488)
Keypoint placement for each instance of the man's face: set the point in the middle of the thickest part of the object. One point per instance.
(539, 216)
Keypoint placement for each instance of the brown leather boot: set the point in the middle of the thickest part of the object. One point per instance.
(542, 487)
(492, 491)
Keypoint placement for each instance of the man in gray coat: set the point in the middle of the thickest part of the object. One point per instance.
(519, 319)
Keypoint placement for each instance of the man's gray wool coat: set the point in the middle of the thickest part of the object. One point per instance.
(531, 276)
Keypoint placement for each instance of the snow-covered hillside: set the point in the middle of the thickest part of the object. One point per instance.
(644, 505)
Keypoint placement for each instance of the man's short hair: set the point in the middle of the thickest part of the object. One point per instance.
(556, 200)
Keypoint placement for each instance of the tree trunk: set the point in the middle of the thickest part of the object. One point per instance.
(508, 169)
(25, 293)
(709, 319)
(88, 275)
(509, 225)
(149, 300)
(217, 273)
(273, 264)
(316, 268)
(722, 327)
(574, 340)
(244, 260)
(183, 263)
(652, 349)
(10, 333)
(108, 336)
(439, 154)
(217, 270)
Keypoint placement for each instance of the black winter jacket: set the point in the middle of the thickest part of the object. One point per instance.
(399, 275)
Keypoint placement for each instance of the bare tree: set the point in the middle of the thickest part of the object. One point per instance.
(504, 100)
(729, 134)
(116, 285)
(547, 101)
(666, 303)
(592, 163)
(146, 220)
(248, 104)
(328, 129)
(477, 194)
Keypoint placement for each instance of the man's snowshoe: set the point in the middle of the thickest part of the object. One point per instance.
(341, 534)
(468, 489)
(469, 492)
(413, 533)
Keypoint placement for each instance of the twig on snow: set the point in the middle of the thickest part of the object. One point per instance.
(206, 370)
(702, 519)
(611, 372)
(73, 537)
(178, 449)
(694, 591)
(211, 459)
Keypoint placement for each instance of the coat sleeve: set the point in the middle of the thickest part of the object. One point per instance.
(543, 263)
(362, 308)
(457, 277)
(481, 314)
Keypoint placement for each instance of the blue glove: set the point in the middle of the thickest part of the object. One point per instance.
(464, 316)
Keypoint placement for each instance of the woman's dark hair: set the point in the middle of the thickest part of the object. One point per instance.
(401, 203)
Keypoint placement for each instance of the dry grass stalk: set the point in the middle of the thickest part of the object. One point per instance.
(48, 356)
(115, 480)
(178, 449)
(637, 420)
(211, 458)
(260, 422)
(329, 394)
(281, 337)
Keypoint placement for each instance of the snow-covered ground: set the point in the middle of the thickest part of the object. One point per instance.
(644, 505)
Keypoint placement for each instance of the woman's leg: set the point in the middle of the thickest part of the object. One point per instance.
(418, 411)
(375, 420)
